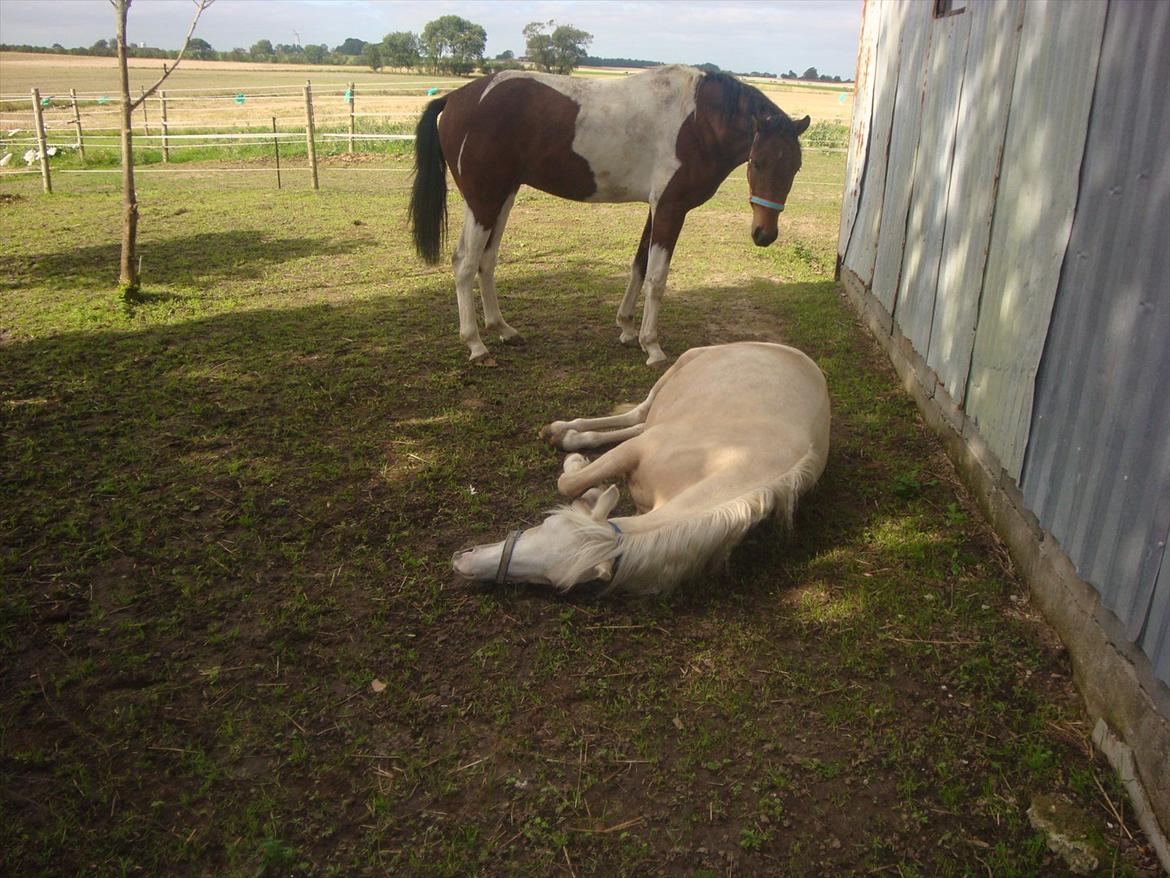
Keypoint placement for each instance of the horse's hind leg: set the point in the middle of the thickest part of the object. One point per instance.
(468, 252)
(625, 314)
(492, 317)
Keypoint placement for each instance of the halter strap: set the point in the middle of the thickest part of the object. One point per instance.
(513, 537)
(764, 202)
(506, 557)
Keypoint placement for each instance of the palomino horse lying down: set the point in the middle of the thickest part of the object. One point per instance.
(667, 137)
(728, 436)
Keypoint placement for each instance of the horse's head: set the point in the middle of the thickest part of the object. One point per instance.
(572, 545)
(772, 164)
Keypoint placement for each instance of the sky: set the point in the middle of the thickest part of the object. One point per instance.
(740, 35)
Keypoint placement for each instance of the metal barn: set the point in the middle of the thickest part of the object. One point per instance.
(1005, 232)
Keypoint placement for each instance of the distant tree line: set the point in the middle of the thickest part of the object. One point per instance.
(449, 45)
(594, 61)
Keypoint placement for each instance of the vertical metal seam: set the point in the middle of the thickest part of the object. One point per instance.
(913, 171)
(1025, 458)
(947, 202)
(994, 207)
(844, 251)
(1148, 612)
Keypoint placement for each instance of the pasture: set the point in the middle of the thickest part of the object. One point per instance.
(232, 643)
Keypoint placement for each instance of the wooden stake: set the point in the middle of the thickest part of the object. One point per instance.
(276, 147)
(77, 124)
(162, 100)
(352, 118)
(310, 132)
(42, 147)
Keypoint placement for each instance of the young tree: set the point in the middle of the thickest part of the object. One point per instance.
(128, 265)
(372, 56)
(400, 49)
(453, 44)
(557, 52)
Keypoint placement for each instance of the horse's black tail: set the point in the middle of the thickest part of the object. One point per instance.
(428, 198)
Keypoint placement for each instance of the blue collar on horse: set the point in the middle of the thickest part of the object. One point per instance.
(668, 137)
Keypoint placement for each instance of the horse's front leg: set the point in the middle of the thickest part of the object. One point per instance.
(578, 477)
(492, 317)
(668, 223)
(625, 314)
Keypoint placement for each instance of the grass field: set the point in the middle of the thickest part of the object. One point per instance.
(232, 643)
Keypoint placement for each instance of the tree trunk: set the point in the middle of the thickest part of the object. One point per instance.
(128, 265)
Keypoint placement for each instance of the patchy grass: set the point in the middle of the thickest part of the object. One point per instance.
(232, 644)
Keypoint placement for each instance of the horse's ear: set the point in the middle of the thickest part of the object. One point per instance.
(802, 125)
(605, 503)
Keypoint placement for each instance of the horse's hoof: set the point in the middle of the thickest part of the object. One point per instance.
(511, 336)
(574, 462)
(656, 357)
(478, 356)
(627, 337)
(553, 433)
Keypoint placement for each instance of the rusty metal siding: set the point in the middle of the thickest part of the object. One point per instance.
(988, 80)
(1057, 65)
(946, 63)
(1097, 471)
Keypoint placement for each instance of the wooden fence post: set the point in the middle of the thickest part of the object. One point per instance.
(145, 118)
(162, 101)
(310, 132)
(276, 147)
(77, 124)
(42, 147)
(352, 122)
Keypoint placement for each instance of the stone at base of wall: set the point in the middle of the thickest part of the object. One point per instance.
(1115, 679)
(1120, 757)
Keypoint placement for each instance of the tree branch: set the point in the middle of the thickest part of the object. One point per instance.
(200, 5)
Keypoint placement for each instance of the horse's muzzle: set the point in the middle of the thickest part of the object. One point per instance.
(763, 238)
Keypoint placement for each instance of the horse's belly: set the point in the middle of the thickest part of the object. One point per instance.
(613, 189)
(624, 170)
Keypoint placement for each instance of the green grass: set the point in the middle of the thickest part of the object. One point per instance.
(230, 510)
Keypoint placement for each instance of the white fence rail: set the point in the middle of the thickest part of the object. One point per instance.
(203, 118)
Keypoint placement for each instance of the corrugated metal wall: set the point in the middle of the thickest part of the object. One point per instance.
(1008, 197)
(1097, 473)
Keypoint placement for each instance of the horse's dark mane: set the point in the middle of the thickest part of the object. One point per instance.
(738, 98)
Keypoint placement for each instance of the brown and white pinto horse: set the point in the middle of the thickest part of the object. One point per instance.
(668, 137)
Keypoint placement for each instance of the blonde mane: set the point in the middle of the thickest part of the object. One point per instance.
(656, 561)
